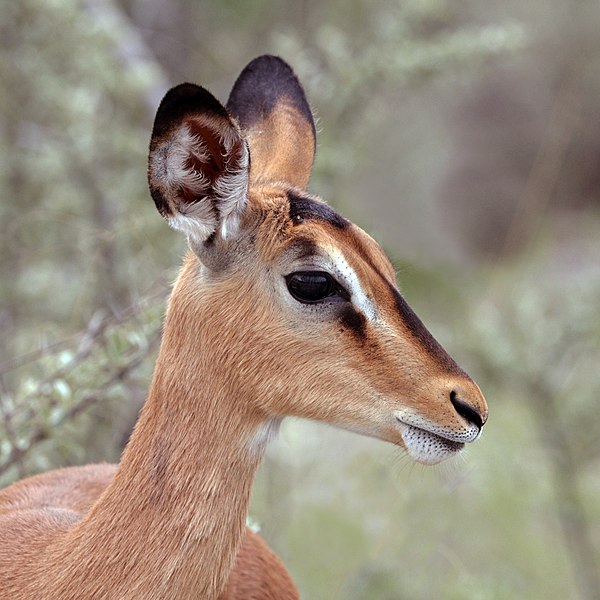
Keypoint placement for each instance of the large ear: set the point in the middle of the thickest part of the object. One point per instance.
(271, 108)
(198, 164)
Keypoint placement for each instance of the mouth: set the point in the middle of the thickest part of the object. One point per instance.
(428, 443)
(428, 448)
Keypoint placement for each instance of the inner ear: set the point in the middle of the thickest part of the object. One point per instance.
(270, 105)
(210, 161)
(198, 164)
(211, 154)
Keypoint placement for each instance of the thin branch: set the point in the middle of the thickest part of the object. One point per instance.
(7, 420)
(107, 321)
(18, 454)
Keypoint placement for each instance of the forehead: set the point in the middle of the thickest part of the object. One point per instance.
(297, 224)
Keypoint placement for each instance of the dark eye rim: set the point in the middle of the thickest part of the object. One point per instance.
(335, 289)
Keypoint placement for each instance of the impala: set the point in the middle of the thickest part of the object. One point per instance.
(282, 307)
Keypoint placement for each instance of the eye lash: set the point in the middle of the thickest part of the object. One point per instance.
(341, 290)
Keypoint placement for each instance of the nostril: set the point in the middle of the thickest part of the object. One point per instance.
(466, 411)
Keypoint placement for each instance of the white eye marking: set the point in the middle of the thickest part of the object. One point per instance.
(348, 277)
(332, 261)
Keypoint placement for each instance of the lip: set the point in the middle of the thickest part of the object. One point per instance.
(410, 431)
(462, 436)
(427, 442)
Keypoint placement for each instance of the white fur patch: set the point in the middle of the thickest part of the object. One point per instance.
(193, 227)
(428, 448)
(267, 432)
(348, 277)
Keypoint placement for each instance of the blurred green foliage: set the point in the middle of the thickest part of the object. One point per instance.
(433, 116)
(52, 416)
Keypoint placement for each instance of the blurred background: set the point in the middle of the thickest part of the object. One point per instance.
(465, 136)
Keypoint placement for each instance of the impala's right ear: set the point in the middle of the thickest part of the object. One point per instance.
(270, 105)
(198, 164)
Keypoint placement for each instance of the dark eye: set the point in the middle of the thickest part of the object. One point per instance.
(312, 286)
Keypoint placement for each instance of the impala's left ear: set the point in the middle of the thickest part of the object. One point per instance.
(198, 164)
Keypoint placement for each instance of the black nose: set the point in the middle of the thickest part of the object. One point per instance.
(466, 411)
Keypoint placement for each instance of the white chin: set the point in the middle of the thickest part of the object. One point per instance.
(428, 448)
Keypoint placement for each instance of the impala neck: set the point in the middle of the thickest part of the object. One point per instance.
(170, 523)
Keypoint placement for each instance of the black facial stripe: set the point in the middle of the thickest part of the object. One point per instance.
(354, 320)
(421, 334)
(415, 325)
(307, 208)
(302, 208)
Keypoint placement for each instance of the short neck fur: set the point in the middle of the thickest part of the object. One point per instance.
(171, 522)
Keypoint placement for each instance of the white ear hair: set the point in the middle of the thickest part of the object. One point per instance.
(204, 181)
(231, 189)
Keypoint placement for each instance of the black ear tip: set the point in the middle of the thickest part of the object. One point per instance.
(261, 85)
(182, 93)
(270, 68)
(269, 61)
(182, 100)
(183, 90)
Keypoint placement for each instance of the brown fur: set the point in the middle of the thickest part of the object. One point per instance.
(238, 354)
(258, 574)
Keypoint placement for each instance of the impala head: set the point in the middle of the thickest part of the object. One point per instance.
(289, 306)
